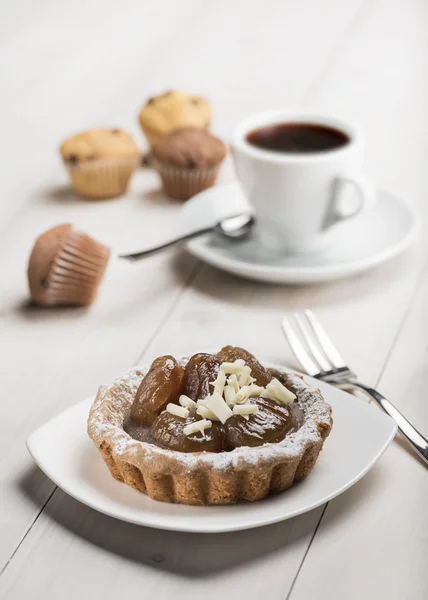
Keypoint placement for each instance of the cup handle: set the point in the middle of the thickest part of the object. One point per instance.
(366, 195)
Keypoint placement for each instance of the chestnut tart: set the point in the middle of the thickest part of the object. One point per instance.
(209, 429)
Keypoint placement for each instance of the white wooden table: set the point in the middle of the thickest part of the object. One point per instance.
(68, 66)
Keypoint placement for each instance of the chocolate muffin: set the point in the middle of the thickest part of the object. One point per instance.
(66, 266)
(187, 161)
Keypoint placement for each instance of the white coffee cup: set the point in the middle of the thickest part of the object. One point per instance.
(299, 199)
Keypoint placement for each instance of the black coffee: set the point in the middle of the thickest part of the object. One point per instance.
(300, 138)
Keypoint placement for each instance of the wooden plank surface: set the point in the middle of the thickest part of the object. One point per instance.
(390, 501)
(61, 353)
(360, 59)
(374, 537)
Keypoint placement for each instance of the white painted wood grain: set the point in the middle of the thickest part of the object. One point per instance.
(374, 537)
(59, 353)
(378, 548)
(245, 58)
(73, 550)
(56, 349)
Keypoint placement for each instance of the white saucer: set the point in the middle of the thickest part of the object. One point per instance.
(63, 450)
(359, 244)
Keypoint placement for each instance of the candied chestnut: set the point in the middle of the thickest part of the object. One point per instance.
(297, 415)
(258, 371)
(161, 385)
(270, 424)
(167, 431)
(199, 371)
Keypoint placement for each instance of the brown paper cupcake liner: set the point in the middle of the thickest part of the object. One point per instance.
(102, 179)
(242, 475)
(74, 274)
(183, 183)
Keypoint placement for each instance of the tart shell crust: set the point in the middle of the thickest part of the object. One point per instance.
(242, 475)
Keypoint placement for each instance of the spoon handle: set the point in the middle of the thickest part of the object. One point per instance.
(184, 238)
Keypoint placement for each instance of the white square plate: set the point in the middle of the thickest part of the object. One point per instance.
(360, 435)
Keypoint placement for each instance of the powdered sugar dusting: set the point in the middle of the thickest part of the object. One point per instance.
(105, 424)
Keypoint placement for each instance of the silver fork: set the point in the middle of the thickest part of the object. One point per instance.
(319, 358)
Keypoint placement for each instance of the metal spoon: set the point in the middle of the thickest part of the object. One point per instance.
(234, 228)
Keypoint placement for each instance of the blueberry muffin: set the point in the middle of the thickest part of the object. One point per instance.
(187, 161)
(100, 162)
(173, 110)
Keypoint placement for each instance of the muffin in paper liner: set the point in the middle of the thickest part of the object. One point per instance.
(103, 178)
(100, 162)
(202, 478)
(183, 183)
(187, 161)
(173, 110)
(66, 267)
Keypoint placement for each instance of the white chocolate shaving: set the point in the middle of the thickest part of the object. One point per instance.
(200, 426)
(256, 390)
(235, 367)
(247, 391)
(233, 381)
(206, 413)
(186, 401)
(277, 391)
(178, 411)
(243, 394)
(229, 394)
(244, 377)
(219, 383)
(219, 407)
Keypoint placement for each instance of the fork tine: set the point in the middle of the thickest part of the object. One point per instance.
(298, 349)
(312, 344)
(324, 341)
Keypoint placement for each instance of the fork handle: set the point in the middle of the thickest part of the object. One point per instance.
(415, 439)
